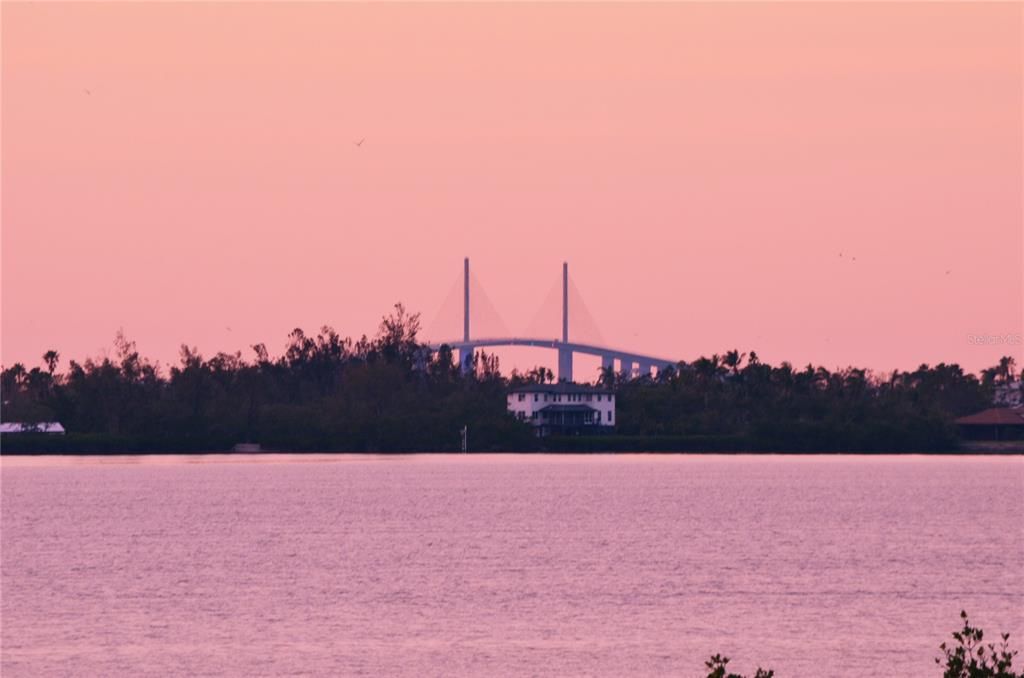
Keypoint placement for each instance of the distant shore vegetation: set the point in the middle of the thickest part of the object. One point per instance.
(391, 393)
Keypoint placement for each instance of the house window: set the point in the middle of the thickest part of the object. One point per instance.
(598, 415)
(535, 397)
(522, 397)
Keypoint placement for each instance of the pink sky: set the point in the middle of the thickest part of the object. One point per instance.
(701, 167)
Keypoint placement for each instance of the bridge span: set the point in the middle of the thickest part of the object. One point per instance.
(626, 362)
(630, 363)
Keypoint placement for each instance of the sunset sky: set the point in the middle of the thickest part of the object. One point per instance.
(829, 183)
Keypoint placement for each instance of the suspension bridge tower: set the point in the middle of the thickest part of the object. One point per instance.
(564, 352)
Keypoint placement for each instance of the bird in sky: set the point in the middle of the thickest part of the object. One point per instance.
(87, 91)
(360, 142)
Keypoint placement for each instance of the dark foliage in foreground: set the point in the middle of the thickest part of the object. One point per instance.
(968, 658)
(717, 665)
(971, 658)
(391, 393)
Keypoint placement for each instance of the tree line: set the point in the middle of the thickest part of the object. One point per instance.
(781, 408)
(392, 393)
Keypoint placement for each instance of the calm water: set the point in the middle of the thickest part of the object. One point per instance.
(503, 565)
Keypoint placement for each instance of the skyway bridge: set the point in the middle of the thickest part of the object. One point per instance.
(626, 362)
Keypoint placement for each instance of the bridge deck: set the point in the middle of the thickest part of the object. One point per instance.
(556, 344)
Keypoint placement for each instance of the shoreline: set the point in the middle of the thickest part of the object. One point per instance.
(966, 452)
(77, 444)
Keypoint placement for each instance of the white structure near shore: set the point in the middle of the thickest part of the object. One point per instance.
(564, 407)
(51, 427)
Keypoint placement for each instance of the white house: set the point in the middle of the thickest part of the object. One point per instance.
(1009, 394)
(40, 427)
(564, 407)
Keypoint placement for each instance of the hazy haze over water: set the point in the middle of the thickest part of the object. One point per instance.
(503, 565)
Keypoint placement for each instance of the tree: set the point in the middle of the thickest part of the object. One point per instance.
(717, 669)
(51, 358)
(971, 658)
(397, 337)
(1006, 366)
(733, 359)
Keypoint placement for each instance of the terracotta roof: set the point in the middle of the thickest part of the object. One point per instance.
(996, 416)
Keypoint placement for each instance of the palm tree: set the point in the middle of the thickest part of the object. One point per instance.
(1004, 371)
(51, 358)
(733, 359)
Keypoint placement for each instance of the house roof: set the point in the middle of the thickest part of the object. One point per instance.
(561, 387)
(995, 416)
(550, 409)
